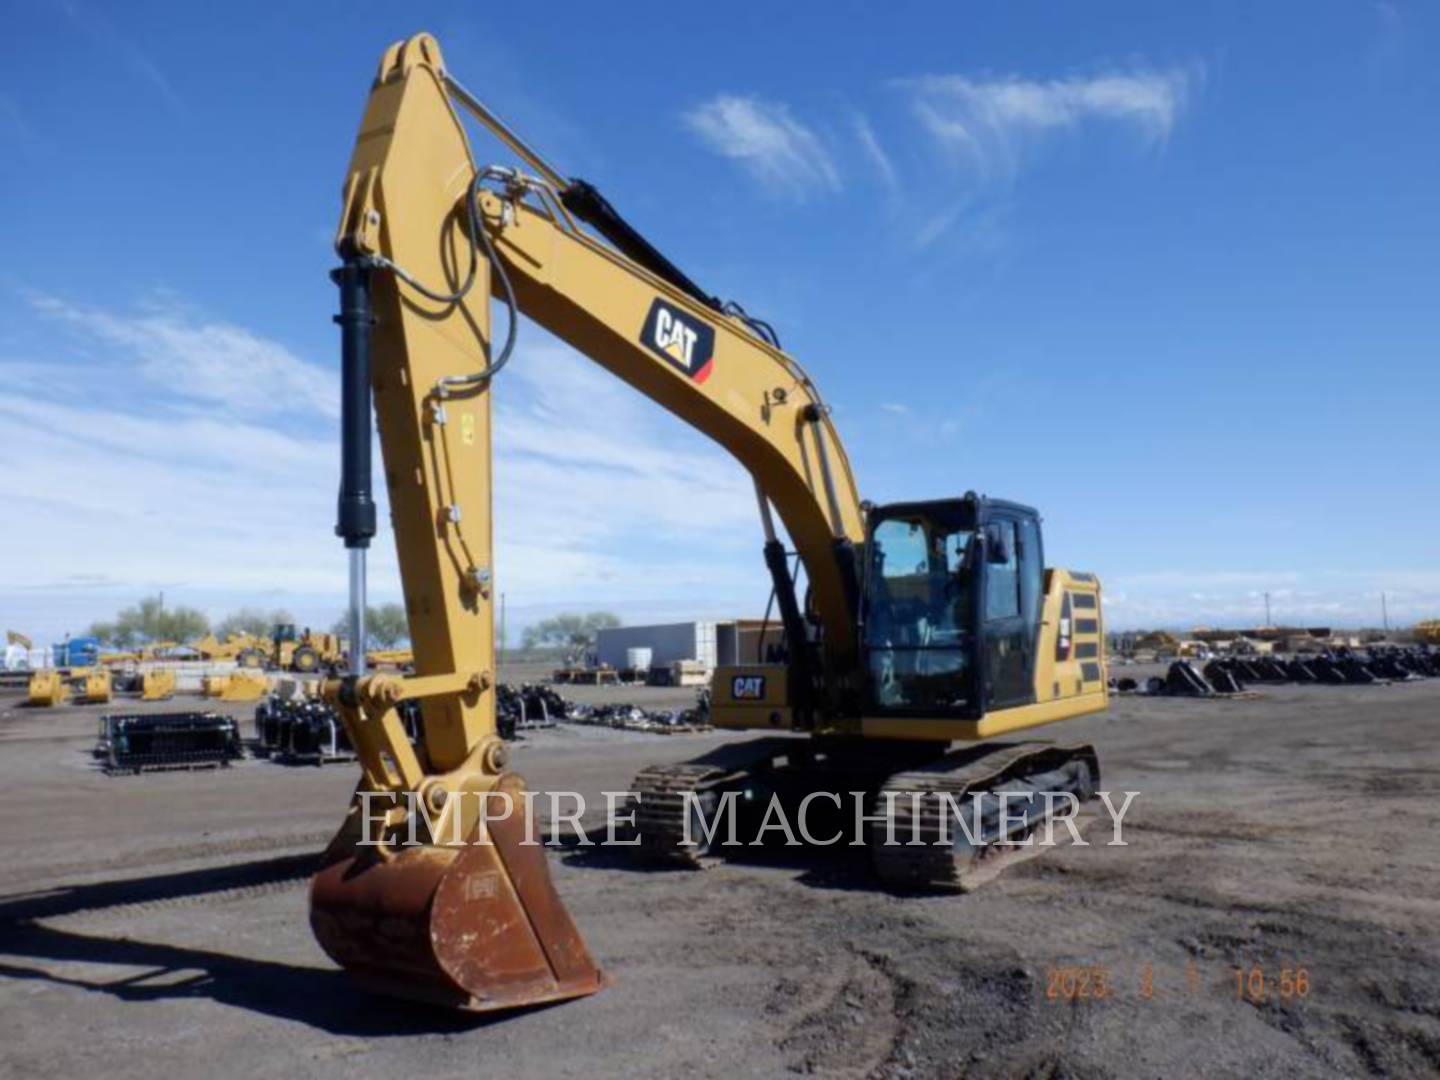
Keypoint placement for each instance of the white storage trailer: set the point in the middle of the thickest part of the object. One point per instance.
(711, 643)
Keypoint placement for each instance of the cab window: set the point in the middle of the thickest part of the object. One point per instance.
(1002, 578)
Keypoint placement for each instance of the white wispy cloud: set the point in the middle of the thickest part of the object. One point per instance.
(987, 128)
(874, 152)
(143, 482)
(107, 36)
(601, 499)
(574, 441)
(982, 116)
(779, 152)
(202, 359)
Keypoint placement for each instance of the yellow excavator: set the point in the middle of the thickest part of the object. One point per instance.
(926, 624)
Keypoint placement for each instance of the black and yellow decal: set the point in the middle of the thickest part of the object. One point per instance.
(680, 339)
(1062, 639)
(747, 688)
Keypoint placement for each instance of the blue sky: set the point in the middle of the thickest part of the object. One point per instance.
(1166, 271)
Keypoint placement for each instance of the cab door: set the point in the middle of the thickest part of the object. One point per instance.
(1010, 612)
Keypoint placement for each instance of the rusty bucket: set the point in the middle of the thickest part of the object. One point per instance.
(475, 927)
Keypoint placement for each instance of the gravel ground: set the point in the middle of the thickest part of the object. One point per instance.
(157, 924)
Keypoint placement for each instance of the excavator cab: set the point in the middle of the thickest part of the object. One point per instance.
(951, 611)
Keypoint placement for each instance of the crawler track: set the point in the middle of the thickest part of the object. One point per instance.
(920, 782)
(921, 811)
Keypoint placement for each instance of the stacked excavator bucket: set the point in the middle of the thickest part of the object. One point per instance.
(240, 685)
(1341, 667)
(304, 731)
(157, 685)
(48, 687)
(1222, 679)
(94, 686)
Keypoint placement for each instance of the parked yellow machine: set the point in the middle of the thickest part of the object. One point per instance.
(93, 685)
(239, 685)
(48, 687)
(157, 684)
(927, 623)
(245, 649)
(304, 653)
(86, 686)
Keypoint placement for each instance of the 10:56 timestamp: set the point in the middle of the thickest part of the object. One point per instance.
(1287, 984)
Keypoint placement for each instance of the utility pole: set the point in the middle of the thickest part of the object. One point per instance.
(1267, 610)
(1384, 614)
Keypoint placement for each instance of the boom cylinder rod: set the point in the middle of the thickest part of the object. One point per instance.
(767, 519)
(357, 611)
(814, 414)
(355, 510)
(797, 640)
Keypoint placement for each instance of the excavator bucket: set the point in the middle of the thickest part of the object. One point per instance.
(48, 687)
(157, 685)
(475, 926)
(240, 685)
(95, 687)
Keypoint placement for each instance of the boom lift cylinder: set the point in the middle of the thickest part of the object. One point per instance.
(355, 513)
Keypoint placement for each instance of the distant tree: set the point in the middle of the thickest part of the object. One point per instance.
(110, 633)
(151, 620)
(252, 621)
(386, 626)
(569, 629)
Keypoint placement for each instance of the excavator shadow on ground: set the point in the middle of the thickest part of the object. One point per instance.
(325, 999)
(838, 866)
(820, 867)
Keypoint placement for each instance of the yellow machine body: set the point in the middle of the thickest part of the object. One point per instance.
(48, 687)
(232, 648)
(239, 685)
(751, 696)
(157, 684)
(306, 654)
(1071, 679)
(94, 685)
